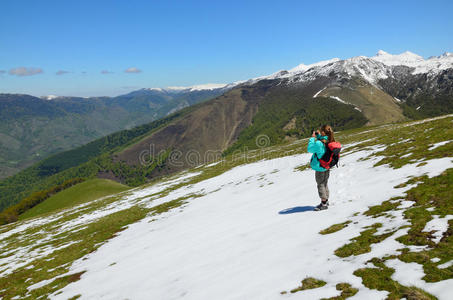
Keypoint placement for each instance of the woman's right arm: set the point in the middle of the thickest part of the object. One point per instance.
(312, 147)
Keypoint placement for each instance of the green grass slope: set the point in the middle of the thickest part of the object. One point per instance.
(80, 193)
(281, 106)
(377, 106)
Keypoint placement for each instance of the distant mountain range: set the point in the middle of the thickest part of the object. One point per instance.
(282, 106)
(33, 128)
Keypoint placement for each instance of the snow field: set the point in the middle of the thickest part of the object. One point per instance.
(246, 240)
(36, 248)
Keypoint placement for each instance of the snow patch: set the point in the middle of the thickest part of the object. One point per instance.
(435, 259)
(40, 284)
(410, 274)
(439, 225)
(344, 102)
(338, 99)
(446, 265)
(406, 204)
(436, 145)
(50, 97)
(316, 95)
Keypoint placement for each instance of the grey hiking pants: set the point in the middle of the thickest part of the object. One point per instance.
(321, 181)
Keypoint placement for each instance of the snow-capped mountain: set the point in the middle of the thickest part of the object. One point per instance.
(399, 82)
(200, 87)
(405, 59)
(371, 69)
(420, 65)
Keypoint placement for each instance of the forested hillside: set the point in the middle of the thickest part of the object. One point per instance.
(33, 128)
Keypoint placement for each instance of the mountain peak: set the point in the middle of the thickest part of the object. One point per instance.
(303, 67)
(382, 53)
(412, 55)
(406, 58)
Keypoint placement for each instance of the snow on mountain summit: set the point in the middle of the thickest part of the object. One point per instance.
(200, 87)
(409, 59)
(359, 66)
(372, 69)
(299, 69)
(303, 67)
(405, 58)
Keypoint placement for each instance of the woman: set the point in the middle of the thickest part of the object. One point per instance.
(317, 146)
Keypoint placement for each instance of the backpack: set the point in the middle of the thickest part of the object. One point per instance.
(331, 156)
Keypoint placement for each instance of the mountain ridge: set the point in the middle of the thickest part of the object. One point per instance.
(407, 58)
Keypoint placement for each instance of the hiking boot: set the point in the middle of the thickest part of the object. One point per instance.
(321, 206)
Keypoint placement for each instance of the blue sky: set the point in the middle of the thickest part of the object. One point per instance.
(174, 43)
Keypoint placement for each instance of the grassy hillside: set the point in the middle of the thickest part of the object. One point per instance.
(377, 106)
(281, 107)
(366, 244)
(80, 193)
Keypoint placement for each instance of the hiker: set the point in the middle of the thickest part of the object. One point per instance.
(317, 145)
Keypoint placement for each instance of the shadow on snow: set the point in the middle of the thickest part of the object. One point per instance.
(296, 209)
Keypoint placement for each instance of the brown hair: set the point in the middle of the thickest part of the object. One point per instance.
(329, 132)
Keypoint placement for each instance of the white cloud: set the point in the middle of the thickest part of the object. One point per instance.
(133, 70)
(61, 72)
(23, 71)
